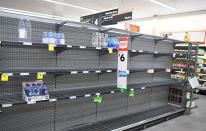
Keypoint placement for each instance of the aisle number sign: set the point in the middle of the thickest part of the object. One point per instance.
(122, 64)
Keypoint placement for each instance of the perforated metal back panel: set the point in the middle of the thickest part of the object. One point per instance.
(57, 116)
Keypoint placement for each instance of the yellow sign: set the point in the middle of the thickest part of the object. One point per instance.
(40, 75)
(51, 47)
(187, 37)
(110, 50)
(4, 77)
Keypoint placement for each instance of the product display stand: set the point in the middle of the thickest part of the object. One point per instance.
(82, 80)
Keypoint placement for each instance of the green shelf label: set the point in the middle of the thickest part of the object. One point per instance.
(122, 89)
(131, 93)
(98, 99)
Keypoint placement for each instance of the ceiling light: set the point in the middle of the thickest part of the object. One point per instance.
(70, 5)
(33, 14)
(163, 4)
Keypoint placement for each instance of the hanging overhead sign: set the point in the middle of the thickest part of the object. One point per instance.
(102, 18)
(109, 17)
(122, 64)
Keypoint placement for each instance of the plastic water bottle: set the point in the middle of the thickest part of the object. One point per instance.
(39, 88)
(94, 39)
(22, 30)
(105, 42)
(54, 38)
(58, 37)
(62, 40)
(28, 30)
(45, 38)
(28, 90)
(50, 37)
(34, 89)
(44, 90)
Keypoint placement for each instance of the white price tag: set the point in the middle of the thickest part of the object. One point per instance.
(52, 100)
(24, 74)
(168, 70)
(150, 71)
(140, 50)
(74, 72)
(87, 95)
(109, 71)
(82, 47)
(143, 88)
(134, 50)
(72, 97)
(98, 71)
(27, 43)
(6, 105)
(69, 46)
(10, 74)
(98, 48)
(85, 72)
(97, 94)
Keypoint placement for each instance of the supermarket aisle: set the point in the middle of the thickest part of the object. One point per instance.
(192, 122)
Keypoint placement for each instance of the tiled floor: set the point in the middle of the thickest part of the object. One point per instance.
(196, 121)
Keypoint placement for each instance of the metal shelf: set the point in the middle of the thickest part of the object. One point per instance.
(139, 120)
(8, 100)
(61, 48)
(25, 72)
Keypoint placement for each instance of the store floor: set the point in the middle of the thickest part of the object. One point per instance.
(196, 121)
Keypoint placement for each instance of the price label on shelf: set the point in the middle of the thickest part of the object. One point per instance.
(40, 75)
(51, 47)
(150, 71)
(110, 50)
(4, 77)
(131, 93)
(98, 99)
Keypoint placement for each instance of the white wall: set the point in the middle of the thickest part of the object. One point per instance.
(155, 26)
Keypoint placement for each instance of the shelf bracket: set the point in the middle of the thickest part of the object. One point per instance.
(132, 37)
(58, 26)
(158, 40)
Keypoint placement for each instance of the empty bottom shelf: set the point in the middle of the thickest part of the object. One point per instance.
(144, 119)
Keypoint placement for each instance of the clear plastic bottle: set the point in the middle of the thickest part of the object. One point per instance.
(44, 89)
(45, 39)
(54, 41)
(50, 37)
(22, 31)
(34, 89)
(62, 40)
(28, 90)
(39, 88)
(105, 41)
(58, 37)
(28, 30)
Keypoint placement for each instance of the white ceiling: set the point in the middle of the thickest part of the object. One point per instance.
(140, 8)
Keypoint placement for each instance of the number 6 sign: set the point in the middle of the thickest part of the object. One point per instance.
(122, 64)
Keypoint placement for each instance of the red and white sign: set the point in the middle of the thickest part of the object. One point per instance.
(123, 44)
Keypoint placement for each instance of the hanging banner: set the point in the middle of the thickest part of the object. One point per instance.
(122, 64)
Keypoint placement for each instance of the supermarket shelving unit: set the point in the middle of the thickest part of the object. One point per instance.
(76, 72)
(188, 55)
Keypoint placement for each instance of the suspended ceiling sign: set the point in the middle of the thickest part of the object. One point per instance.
(102, 18)
(106, 18)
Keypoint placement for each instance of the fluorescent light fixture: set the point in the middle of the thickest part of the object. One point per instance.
(33, 14)
(163, 4)
(70, 5)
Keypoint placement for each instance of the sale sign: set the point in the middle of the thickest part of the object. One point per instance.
(122, 64)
